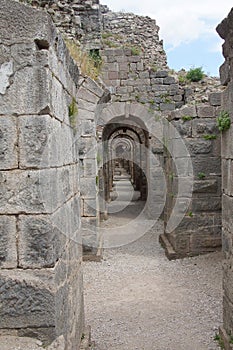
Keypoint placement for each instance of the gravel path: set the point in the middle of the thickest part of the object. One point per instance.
(137, 299)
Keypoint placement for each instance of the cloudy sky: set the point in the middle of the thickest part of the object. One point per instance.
(187, 28)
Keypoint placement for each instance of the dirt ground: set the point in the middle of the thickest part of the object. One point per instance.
(137, 299)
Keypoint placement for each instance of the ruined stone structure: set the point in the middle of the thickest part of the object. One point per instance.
(226, 76)
(63, 135)
(41, 274)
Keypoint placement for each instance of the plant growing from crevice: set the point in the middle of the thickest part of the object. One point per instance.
(106, 35)
(167, 100)
(186, 118)
(223, 121)
(209, 137)
(201, 176)
(135, 50)
(98, 159)
(111, 44)
(73, 113)
(171, 176)
(97, 180)
(89, 63)
(219, 339)
(154, 69)
(190, 214)
(96, 58)
(150, 110)
(195, 74)
(182, 79)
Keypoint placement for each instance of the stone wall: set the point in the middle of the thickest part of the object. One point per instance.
(226, 74)
(89, 97)
(75, 19)
(40, 244)
(200, 198)
(127, 30)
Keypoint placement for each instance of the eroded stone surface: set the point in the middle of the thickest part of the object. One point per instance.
(6, 70)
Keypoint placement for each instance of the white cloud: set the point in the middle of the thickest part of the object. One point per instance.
(216, 47)
(180, 21)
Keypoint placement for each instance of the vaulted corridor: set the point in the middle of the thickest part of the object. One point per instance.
(137, 299)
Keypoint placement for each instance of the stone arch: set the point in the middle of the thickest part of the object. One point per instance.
(158, 127)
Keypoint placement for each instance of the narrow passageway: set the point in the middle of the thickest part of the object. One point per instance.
(125, 204)
(137, 299)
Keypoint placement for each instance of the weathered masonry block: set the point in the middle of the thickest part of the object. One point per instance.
(41, 291)
(226, 75)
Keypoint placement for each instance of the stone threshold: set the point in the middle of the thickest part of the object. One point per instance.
(169, 251)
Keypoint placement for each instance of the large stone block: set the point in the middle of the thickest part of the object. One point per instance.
(87, 95)
(199, 146)
(45, 142)
(88, 128)
(40, 242)
(204, 126)
(88, 168)
(62, 66)
(198, 222)
(88, 187)
(207, 186)
(207, 165)
(205, 111)
(36, 192)
(188, 110)
(67, 219)
(215, 99)
(87, 147)
(93, 87)
(206, 242)
(26, 54)
(59, 100)
(227, 99)
(8, 244)
(227, 314)
(227, 149)
(27, 299)
(180, 243)
(28, 93)
(20, 23)
(226, 176)
(90, 207)
(75, 320)
(34, 145)
(227, 212)
(226, 242)
(224, 72)
(206, 204)
(8, 143)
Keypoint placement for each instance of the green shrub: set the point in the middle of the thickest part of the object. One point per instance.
(96, 58)
(195, 74)
(224, 121)
(135, 50)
